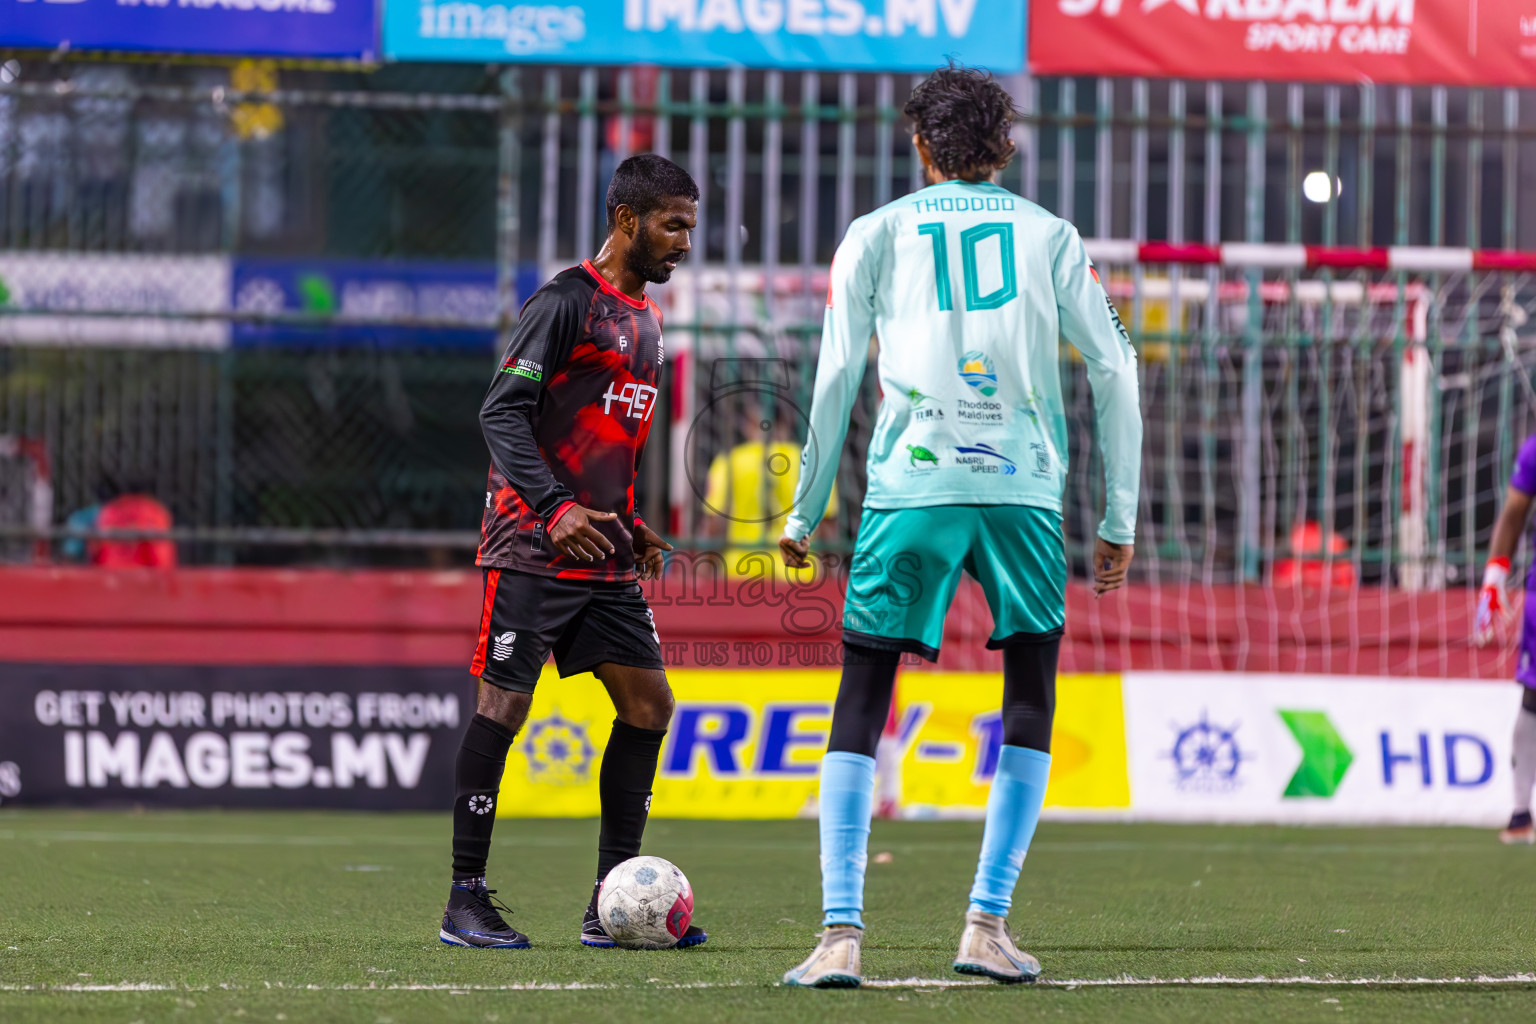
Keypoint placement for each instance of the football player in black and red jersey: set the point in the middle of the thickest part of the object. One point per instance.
(562, 545)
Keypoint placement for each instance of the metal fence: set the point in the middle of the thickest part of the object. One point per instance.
(1352, 420)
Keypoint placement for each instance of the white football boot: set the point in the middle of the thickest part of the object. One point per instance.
(986, 948)
(834, 963)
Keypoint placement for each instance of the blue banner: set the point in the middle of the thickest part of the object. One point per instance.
(255, 28)
(454, 304)
(883, 35)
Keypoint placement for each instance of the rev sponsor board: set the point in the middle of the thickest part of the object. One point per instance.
(887, 35)
(266, 28)
(1430, 42)
(1304, 749)
(178, 736)
(748, 744)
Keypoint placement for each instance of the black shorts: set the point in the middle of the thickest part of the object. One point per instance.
(526, 616)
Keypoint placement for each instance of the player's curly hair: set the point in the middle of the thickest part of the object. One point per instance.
(965, 117)
(645, 183)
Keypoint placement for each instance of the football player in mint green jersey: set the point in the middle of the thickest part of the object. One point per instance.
(969, 290)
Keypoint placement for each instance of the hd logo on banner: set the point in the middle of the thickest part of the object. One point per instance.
(748, 744)
(886, 35)
(1228, 747)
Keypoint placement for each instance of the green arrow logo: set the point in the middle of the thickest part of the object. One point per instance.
(1324, 755)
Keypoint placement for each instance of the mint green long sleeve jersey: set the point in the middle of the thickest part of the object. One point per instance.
(970, 290)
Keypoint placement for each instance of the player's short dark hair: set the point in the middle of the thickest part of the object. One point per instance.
(965, 117)
(647, 182)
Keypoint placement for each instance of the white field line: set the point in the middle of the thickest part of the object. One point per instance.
(1046, 846)
(1124, 981)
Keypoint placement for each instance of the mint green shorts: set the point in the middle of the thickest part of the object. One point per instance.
(907, 562)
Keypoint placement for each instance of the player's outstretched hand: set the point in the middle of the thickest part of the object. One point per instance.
(648, 552)
(1110, 562)
(575, 537)
(796, 552)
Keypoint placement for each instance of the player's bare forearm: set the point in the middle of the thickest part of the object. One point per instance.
(1111, 562)
(1510, 524)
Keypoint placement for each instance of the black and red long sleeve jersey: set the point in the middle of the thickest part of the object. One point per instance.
(566, 420)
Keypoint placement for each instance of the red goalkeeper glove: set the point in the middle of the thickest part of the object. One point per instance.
(1492, 602)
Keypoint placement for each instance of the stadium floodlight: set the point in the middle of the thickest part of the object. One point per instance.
(1317, 188)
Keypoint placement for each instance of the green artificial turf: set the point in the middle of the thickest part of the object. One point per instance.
(238, 912)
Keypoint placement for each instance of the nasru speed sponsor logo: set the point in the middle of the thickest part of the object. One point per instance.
(983, 458)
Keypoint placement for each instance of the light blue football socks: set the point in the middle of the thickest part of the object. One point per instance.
(1013, 811)
(847, 800)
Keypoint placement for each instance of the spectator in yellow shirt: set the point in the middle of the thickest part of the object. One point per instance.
(751, 487)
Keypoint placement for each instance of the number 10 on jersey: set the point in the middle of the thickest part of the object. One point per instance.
(970, 238)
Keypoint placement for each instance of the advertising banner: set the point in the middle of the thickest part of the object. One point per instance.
(372, 738)
(453, 304)
(748, 744)
(88, 299)
(885, 35)
(1300, 749)
(248, 28)
(1429, 42)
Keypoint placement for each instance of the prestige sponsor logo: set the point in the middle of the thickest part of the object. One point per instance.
(524, 368)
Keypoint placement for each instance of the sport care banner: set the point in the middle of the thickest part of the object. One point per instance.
(884, 35)
(267, 28)
(1430, 42)
(1303, 749)
(748, 744)
(374, 738)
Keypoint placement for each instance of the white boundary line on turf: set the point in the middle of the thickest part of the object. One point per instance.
(882, 983)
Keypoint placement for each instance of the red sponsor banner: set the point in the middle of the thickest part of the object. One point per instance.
(1429, 42)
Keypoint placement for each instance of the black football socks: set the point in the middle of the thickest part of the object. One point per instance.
(476, 781)
(624, 783)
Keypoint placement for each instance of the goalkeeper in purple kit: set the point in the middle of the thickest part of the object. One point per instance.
(1493, 611)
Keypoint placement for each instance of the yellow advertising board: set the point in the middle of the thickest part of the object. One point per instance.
(747, 744)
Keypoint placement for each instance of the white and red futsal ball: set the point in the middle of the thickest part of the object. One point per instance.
(645, 903)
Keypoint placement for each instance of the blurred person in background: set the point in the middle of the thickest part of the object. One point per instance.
(1493, 612)
(135, 509)
(750, 489)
